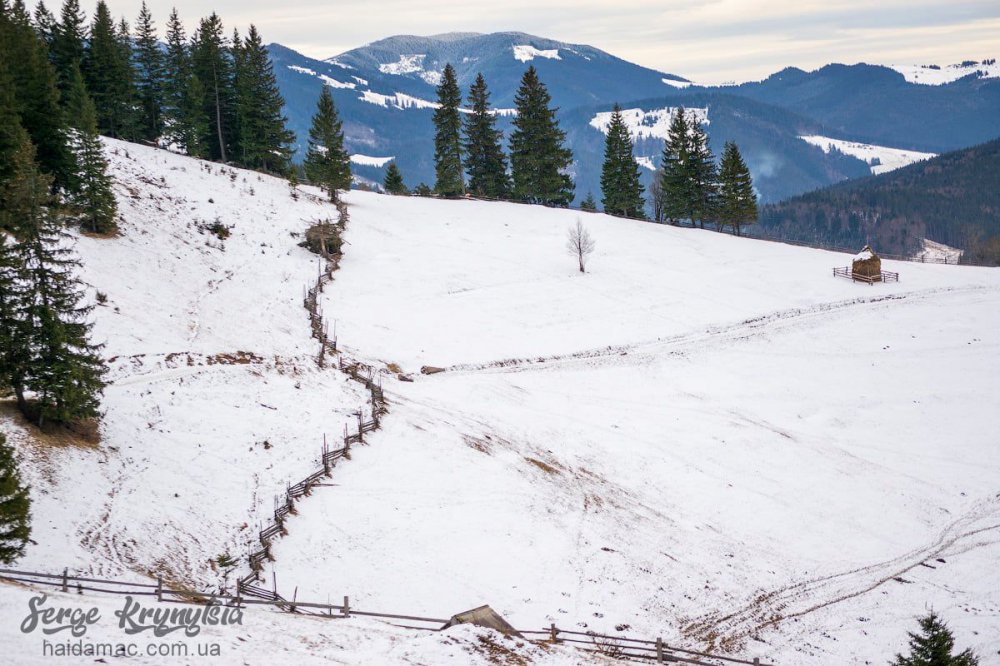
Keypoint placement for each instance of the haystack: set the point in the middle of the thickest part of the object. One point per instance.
(484, 616)
(866, 264)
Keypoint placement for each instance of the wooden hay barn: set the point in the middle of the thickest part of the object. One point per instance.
(867, 265)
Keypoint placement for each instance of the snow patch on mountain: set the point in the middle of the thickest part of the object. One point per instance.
(333, 83)
(397, 100)
(881, 159)
(646, 162)
(526, 52)
(407, 64)
(367, 160)
(642, 124)
(334, 61)
(934, 75)
(676, 84)
(431, 77)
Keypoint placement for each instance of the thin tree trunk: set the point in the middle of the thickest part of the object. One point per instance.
(218, 114)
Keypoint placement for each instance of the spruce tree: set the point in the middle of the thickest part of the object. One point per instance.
(93, 201)
(538, 158)
(447, 141)
(702, 175)
(485, 161)
(620, 186)
(264, 140)
(393, 183)
(68, 43)
(12, 135)
(674, 182)
(65, 372)
(588, 204)
(933, 646)
(149, 77)
(36, 94)
(107, 73)
(25, 199)
(176, 80)
(45, 24)
(193, 129)
(737, 201)
(327, 164)
(15, 507)
(15, 353)
(211, 62)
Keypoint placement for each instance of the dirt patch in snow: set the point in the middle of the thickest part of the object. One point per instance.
(83, 434)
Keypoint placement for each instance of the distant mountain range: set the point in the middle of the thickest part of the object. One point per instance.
(855, 116)
(952, 199)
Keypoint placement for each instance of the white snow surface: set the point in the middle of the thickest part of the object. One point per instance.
(700, 432)
(881, 159)
(674, 83)
(397, 100)
(333, 83)
(642, 124)
(367, 160)
(935, 75)
(698, 435)
(407, 64)
(646, 162)
(214, 402)
(526, 53)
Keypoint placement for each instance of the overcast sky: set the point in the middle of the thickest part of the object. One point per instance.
(709, 42)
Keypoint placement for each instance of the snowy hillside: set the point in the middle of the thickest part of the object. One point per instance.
(700, 434)
(704, 438)
(935, 75)
(881, 158)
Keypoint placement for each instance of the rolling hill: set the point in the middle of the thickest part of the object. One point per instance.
(682, 442)
(952, 199)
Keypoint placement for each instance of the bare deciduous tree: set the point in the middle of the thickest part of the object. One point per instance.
(656, 195)
(580, 244)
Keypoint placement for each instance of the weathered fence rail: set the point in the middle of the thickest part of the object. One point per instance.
(620, 647)
(366, 375)
(847, 272)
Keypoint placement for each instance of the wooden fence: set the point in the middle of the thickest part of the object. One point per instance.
(619, 647)
(364, 374)
(847, 272)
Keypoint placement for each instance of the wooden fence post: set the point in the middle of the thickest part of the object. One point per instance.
(659, 650)
(65, 585)
(756, 661)
(159, 588)
(552, 632)
(346, 610)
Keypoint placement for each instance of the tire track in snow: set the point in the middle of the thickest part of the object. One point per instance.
(677, 343)
(771, 608)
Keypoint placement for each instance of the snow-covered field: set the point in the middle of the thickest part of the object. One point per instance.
(880, 158)
(699, 426)
(704, 438)
(936, 76)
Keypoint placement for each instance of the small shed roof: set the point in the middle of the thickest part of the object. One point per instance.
(484, 616)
